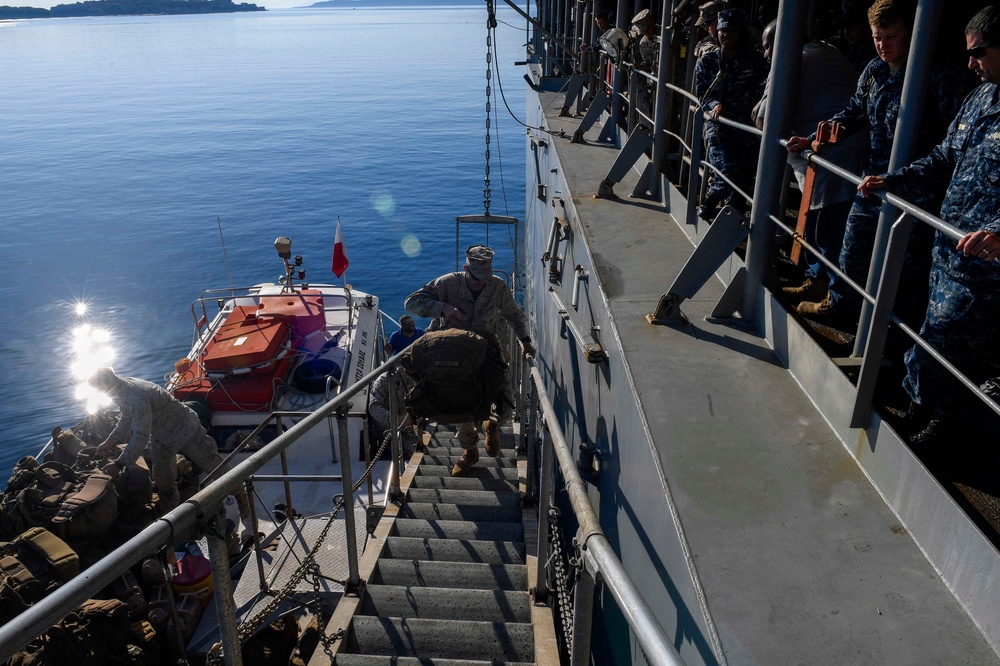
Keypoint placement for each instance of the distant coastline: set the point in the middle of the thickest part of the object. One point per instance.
(129, 8)
(341, 4)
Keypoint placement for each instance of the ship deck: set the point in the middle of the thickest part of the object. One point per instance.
(795, 551)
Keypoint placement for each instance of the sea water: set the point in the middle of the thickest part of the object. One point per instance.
(128, 141)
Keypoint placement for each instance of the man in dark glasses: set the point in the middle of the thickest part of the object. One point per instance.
(963, 316)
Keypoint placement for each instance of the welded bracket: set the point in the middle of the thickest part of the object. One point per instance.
(637, 143)
(573, 90)
(728, 230)
(597, 107)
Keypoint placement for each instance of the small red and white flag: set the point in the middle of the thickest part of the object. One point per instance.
(339, 254)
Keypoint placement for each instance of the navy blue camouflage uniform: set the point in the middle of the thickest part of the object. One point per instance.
(876, 105)
(963, 314)
(732, 151)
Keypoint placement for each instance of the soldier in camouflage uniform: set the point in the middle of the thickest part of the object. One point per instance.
(379, 409)
(152, 417)
(875, 106)
(963, 315)
(729, 82)
(472, 300)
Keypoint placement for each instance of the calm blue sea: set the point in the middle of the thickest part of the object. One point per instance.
(125, 139)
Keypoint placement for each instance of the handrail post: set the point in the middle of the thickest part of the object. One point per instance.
(350, 529)
(583, 616)
(289, 508)
(784, 77)
(395, 414)
(884, 300)
(694, 171)
(544, 496)
(218, 555)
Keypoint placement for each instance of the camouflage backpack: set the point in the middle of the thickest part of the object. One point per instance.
(31, 566)
(457, 376)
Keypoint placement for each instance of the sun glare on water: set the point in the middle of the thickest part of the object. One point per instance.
(92, 349)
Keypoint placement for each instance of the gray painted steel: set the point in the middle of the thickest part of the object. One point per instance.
(742, 515)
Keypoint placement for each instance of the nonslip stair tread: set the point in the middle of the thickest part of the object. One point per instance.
(454, 550)
(503, 462)
(505, 452)
(458, 529)
(446, 603)
(482, 469)
(463, 497)
(442, 511)
(452, 639)
(462, 575)
(472, 481)
(391, 660)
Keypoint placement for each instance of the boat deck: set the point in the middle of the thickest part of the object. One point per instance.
(795, 555)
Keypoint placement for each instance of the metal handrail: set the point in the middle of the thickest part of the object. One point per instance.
(189, 518)
(655, 644)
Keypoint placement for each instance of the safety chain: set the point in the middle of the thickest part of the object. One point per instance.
(308, 565)
(563, 597)
(491, 23)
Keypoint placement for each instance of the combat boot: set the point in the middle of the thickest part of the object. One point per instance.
(469, 458)
(810, 290)
(823, 311)
(491, 427)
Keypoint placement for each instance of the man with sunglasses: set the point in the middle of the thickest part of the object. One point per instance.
(963, 315)
(473, 300)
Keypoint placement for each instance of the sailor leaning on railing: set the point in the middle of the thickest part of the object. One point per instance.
(963, 315)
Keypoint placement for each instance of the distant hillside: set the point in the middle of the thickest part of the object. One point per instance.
(130, 8)
(341, 4)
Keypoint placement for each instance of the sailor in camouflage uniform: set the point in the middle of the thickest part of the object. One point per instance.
(729, 81)
(152, 417)
(472, 300)
(963, 314)
(875, 107)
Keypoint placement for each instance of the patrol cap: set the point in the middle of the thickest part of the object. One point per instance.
(709, 11)
(479, 259)
(103, 378)
(641, 20)
(730, 19)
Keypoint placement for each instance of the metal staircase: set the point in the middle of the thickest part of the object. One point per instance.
(450, 583)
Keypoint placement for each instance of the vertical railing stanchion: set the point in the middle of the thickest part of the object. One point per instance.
(350, 529)
(257, 551)
(218, 556)
(395, 418)
(544, 499)
(694, 171)
(284, 472)
(583, 616)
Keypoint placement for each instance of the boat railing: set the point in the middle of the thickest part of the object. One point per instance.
(201, 515)
(595, 559)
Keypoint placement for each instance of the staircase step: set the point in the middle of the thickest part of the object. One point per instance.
(454, 550)
(437, 511)
(458, 529)
(485, 460)
(498, 499)
(462, 575)
(381, 660)
(446, 603)
(452, 639)
(475, 480)
(506, 452)
(481, 470)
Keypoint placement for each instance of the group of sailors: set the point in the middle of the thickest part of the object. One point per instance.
(852, 73)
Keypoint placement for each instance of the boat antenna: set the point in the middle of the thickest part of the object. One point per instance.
(225, 255)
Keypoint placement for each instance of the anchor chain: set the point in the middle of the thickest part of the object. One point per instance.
(564, 598)
(308, 565)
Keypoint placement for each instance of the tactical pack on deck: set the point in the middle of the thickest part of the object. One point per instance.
(457, 376)
(31, 566)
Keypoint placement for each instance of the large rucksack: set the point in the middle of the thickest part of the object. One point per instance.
(31, 566)
(78, 506)
(458, 376)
